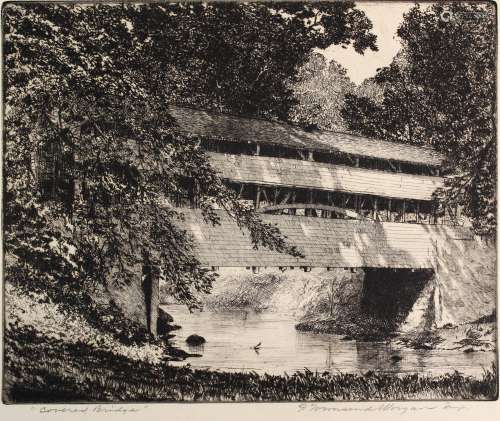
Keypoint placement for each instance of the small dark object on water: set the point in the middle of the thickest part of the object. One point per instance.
(347, 338)
(396, 358)
(469, 350)
(256, 347)
(195, 340)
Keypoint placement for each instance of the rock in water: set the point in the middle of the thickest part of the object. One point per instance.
(163, 323)
(162, 314)
(195, 340)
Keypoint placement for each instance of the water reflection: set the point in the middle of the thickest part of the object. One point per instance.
(195, 349)
(232, 338)
(379, 356)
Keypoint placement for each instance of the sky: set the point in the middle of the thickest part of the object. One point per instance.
(386, 17)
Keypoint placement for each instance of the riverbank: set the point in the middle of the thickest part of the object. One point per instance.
(359, 327)
(46, 370)
(467, 337)
(53, 356)
(476, 336)
(37, 313)
(303, 294)
(361, 306)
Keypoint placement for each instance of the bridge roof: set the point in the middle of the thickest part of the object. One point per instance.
(324, 242)
(317, 175)
(252, 130)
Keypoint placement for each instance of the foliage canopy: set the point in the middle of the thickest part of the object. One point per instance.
(86, 91)
(320, 93)
(440, 91)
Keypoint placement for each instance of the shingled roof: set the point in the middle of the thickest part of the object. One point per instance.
(324, 242)
(251, 130)
(317, 175)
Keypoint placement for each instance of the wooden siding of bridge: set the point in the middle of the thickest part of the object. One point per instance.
(324, 242)
(317, 175)
(252, 130)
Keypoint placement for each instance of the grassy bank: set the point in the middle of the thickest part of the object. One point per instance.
(42, 369)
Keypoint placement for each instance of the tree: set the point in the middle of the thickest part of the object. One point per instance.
(455, 64)
(320, 93)
(363, 116)
(391, 108)
(440, 92)
(86, 91)
(370, 89)
(71, 82)
(241, 58)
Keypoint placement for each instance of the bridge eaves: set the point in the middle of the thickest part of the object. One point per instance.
(242, 129)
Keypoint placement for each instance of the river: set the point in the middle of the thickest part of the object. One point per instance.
(231, 337)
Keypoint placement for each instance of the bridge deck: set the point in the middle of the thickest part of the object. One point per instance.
(324, 242)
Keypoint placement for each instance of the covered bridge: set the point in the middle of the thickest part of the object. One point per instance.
(272, 164)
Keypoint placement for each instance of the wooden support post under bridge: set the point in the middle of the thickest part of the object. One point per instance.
(242, 189)
(292, 200)
(310, 200)
(276, 193)
(325, 213)
(264, 193)
(257, 198)
(356, 203)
